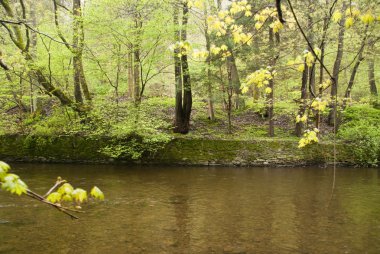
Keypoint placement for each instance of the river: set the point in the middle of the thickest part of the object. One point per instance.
(197, 210)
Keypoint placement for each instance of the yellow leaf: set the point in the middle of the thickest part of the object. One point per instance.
(349, 22)
(97, 193)
(79, 195)
(54, 197)
(337, 16)
(368, 18)
(66, 189)
(301, 68)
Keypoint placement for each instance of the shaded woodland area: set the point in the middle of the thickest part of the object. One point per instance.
(205, 68)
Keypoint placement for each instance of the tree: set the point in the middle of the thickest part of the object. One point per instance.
(183, 96)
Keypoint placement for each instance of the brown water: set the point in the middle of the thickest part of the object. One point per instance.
(198, 210)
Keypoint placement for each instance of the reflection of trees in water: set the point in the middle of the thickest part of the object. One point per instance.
(180, 203)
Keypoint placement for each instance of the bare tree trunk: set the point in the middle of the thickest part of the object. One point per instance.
(178, 76)
(33, 51)
(270, 96)
(182, 76)
(235, 80)
(136, 75)
(136, 60)
(371, 77)
(336, 70)
(302, 107)
(80, 83)
(228, 103)
(130, 74)
(210, 101)
(371, 70)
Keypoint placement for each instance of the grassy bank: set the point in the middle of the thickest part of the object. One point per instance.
(143, 134)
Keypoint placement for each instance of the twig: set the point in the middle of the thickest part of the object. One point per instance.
(58, 183)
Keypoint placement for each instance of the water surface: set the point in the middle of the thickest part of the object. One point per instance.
(198, 210)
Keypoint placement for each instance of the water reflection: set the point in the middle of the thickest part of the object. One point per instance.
(199, 210)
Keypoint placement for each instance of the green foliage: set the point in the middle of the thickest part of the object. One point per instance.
(361, 131)
(11, 182)
(97, 193)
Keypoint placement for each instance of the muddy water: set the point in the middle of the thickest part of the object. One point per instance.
(198, 210)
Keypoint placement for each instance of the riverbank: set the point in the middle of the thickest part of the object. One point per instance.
(179, 151)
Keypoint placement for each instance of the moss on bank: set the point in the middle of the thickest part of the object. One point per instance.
(179, 151)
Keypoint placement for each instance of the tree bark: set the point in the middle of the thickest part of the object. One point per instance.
(270, 96)
(210, 100)
(371, 70)
(336, 71)
(182, 77)
(80, 83)
(360, 58)
(371, 77)
(130, 74)
(302, 107)
(235, 79)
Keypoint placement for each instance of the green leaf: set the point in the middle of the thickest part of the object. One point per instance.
(54, 197)
(66, 189)
(67, 197)
(14, 184)
(4, 168)
(97, 193)
(79, 195)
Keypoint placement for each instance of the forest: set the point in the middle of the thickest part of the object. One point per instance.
(154, 70)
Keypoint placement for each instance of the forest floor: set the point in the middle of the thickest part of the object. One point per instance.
(152, 122)
(248, 123)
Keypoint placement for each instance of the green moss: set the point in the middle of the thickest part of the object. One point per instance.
(261, 152)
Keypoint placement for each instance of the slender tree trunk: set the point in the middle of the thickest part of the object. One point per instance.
(210, 101)
(136, 75)
(187, 96)
(336, 71)
(270, 96)
(178, 76)
(371, 77)
(235, 80)
(230, 89)
(183, 87)
(33, 51)
(130, 74)
(77, 91)
(371, 70)
(136, 59)
(359, 60)
(302, 107)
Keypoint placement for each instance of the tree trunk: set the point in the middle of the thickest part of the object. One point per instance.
(338, 60)
(210, 101)
(130, 74)
(33, 51)
(235, 80)
(136, 75)
(360, 58)
(371, 77)
(182, 77)
(178, 76)
(269, 96)
(80, 83)
(371, 70)
(302, 107)
(77, 91)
